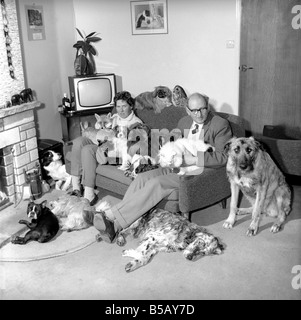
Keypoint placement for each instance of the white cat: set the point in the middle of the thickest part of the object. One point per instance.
(171, 153)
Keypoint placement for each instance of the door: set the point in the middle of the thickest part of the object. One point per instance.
(270, 64)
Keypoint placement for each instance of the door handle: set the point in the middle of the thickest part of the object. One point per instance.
(244, 68)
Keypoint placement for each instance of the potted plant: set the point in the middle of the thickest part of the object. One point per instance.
(84, 63)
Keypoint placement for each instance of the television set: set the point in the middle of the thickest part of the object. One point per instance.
(92, 92)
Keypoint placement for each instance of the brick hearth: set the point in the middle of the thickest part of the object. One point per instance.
(18, 148)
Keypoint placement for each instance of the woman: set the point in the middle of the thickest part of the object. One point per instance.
(84, 162)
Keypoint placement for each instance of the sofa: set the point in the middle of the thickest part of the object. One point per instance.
(284, 146)
(195, 192)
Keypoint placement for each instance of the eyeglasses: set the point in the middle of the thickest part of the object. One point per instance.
(196, 111)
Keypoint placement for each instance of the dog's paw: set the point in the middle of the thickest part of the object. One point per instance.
(228, 224)
(130, 267)
(120, 241)
(275, 228)
(252, 231)
(98, 237)
(22, 221)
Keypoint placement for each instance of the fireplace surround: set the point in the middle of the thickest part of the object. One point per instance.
(18, 150)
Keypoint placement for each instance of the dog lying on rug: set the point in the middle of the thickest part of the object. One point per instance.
(75, 213)
(156, 100)
(161, 230)
(171, 153)
(43, 227)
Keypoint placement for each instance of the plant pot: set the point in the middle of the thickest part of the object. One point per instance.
(83, 66)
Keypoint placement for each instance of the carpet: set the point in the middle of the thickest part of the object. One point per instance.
(62, 244)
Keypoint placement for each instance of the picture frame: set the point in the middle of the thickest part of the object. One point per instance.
(35, 22)
(149, 17)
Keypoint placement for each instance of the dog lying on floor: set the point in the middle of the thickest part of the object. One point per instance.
(55, 168)
(74, 213)
(161, 230)
(171, 153)
(156, 100)
(43, 227)
(251, 170)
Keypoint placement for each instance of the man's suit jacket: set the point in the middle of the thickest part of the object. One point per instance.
(217, 132)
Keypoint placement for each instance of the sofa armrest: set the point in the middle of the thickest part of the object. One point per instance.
(202, 190)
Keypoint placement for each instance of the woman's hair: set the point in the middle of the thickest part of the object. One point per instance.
(125, 96)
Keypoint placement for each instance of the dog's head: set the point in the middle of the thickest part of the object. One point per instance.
(202, 243)
(103, 121)
(169, 156)
(143, 19)
(242, 152)
(50, 156)
(35, 210)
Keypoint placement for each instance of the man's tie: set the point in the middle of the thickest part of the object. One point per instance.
(196, 129)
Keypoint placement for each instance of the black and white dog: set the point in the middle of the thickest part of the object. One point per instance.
(55, 168)
(43, 227)
(161, 230)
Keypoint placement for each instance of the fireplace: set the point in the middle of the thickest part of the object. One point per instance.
(18, 150)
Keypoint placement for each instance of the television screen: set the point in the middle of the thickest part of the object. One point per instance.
(94, 92)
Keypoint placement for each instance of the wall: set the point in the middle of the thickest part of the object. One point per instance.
(193, 54)
(8, 85)
(48, 62)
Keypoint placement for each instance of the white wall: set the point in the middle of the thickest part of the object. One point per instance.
(193, 54)
(48, 62)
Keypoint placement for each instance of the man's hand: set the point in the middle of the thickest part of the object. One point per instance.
(189, 160)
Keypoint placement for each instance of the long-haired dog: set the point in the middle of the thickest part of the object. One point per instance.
(156, 100)
(251, 170)
(75, 213)
(55, 168)
(164, 231)
(171, 153)
(179, 97)
(43, 227)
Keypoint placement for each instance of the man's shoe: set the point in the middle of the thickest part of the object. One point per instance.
(94, 201)
(76, 193)
(105, 226)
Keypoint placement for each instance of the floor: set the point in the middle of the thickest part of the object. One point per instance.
(266, 266)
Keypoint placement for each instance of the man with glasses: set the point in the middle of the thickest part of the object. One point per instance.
(150, 187)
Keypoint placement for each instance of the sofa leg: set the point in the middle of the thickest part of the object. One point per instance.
(186, 215)
(224, 203)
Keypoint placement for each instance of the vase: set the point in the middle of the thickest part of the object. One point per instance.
(83, 66)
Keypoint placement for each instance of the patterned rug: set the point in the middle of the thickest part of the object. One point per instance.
(63, 243)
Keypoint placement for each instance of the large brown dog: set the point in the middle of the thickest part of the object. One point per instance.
(156, 100)
(251, 170)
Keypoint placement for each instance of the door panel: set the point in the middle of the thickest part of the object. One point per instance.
(270, 93)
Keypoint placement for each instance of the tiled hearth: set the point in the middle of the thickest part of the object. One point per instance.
(18, 150)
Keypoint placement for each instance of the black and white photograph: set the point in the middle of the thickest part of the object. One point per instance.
(149, 17)
(150, 153)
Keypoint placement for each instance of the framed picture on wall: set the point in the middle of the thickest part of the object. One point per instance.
(35, 22)
(149, 17)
